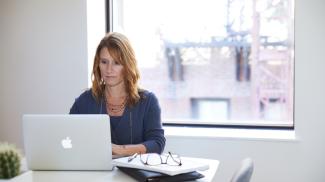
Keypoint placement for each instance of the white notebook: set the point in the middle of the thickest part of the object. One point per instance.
(188, 165)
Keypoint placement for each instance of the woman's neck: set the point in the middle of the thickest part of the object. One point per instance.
(117, 91)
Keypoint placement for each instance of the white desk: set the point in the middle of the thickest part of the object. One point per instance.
(97, 176)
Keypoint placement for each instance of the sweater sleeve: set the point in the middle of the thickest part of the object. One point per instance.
(75, 108)
(154, 139)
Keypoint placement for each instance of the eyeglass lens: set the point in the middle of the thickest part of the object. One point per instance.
(156, 159)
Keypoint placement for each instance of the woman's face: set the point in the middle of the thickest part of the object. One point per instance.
(110, 69)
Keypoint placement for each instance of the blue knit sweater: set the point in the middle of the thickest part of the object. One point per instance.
(140, 124)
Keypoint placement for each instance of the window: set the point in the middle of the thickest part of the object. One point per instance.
(213, 62)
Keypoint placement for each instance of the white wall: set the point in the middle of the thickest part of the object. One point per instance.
(44, 67)
(43, 59)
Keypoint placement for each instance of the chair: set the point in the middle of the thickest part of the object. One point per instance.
(244, 172)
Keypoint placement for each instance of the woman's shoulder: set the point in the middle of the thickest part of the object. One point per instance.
(146, 94)
(148, 97)
(86, 95)
(85, 104)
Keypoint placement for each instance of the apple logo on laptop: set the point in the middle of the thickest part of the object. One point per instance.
(66, 143)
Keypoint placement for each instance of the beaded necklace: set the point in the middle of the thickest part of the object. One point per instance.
(115, 108)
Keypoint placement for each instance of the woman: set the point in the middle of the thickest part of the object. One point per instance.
(134, 113)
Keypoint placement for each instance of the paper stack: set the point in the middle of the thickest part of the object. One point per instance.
(188, 165)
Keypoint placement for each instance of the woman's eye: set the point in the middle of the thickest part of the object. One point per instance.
(103, 61)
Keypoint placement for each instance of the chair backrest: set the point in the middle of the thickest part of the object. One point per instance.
(244, 172)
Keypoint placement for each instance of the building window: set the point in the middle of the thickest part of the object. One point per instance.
(190, 50)
(210, 109)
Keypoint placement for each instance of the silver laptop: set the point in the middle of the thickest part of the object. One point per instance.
(67, 142)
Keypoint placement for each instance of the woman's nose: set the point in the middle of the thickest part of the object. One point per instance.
(109, 67)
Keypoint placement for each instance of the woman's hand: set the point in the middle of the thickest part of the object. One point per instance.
(126, 150)
(118, 149)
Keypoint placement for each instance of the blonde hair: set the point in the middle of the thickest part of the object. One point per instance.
(120, 49)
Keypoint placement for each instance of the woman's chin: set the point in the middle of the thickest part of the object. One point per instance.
(113, 83)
